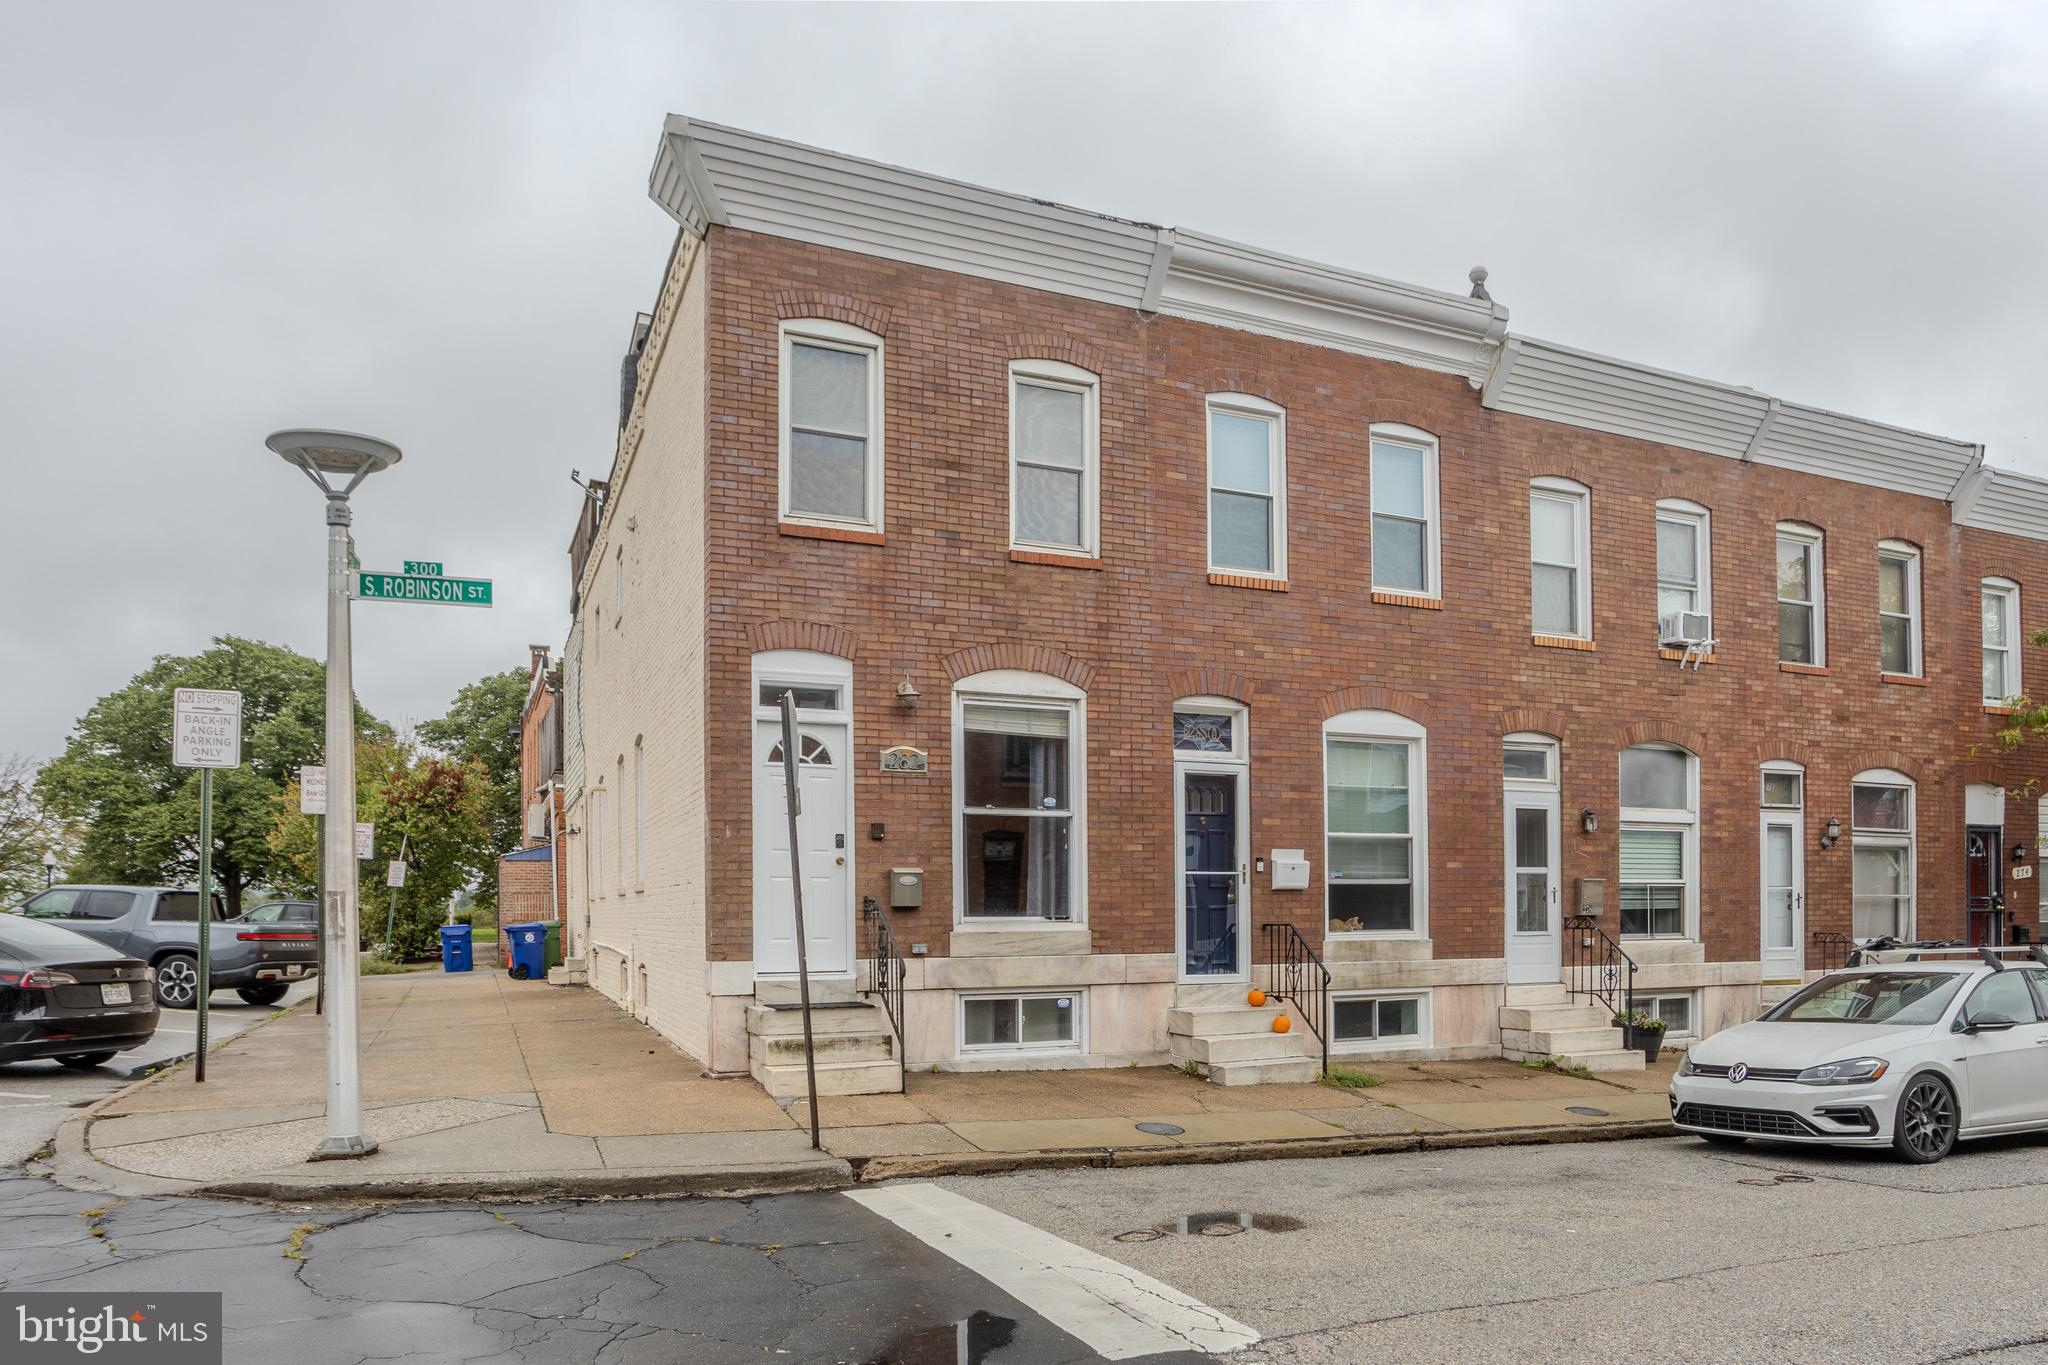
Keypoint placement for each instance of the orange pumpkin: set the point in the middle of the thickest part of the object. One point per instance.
(1281, 1023)
(1256, 998)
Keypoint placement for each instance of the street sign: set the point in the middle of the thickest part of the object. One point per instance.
(412, 587)
(394, 875)
(312, 790)
(207, 728)
(366, 841)
(430, 567)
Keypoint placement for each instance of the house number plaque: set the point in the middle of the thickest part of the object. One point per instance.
(904, 759)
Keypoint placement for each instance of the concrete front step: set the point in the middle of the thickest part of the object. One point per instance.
(782, 990)
(1269, 1071)
(763, 1022)
(1235, 1047)
(1557, 1042)
(1616, 1059)
(1537, 993)
(1220, 1020)
(1553, 1017)
(785, 1049)
(834, 1078)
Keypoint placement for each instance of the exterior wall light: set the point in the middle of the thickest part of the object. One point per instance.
(1588, 821)
(907, 695)
(1833, 835)
(2019, 853)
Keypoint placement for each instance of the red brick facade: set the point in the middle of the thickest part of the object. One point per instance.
(942, 596)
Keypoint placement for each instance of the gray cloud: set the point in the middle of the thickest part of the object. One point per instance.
(429, 222)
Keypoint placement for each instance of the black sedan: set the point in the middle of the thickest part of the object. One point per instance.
(70, 998)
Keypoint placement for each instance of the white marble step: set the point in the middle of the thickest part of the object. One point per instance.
(1217, 1020)
(1272, 1071)
(834, 1078)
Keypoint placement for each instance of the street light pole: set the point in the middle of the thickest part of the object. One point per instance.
(344, 455)
(49, 870)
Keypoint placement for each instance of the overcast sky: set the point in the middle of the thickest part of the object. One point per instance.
(430, 222)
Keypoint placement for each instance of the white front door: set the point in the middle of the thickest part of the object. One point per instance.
(1784, 895)
(823, 835)
(1532, 890)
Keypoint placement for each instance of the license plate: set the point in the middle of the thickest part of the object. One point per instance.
(293, 970)
(119, 993)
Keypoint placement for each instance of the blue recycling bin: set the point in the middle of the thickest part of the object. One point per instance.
(455, 949)
(529, 951)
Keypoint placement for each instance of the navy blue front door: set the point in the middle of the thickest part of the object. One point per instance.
(1210, 872)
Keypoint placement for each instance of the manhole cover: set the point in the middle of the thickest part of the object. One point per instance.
(1141, 1235)
(1162, 1129)
(1588, 1110)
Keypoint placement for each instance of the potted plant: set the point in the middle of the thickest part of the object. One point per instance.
(1641, 1032)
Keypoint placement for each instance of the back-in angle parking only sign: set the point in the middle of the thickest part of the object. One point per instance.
(206, 730)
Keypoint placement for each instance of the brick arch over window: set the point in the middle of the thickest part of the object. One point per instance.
(1372, 697)
(1048, 346)
(1533, 720)
(1650, 731)
(1210, 682)
(1565, 469)
(811, 635)
(1774, 752)
(1015, 654)
(1232, 379)
(1867, 759)
(804, 303)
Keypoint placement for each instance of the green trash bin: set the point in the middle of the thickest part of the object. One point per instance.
(554, 943)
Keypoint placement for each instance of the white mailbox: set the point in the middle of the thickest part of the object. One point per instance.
(1290, 869)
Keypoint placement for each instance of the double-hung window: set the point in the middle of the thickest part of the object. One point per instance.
(2001, 599)
(1682, 558)
(1881, 827)
(1802, 634)
(1019, 781)
(1404, 511)
(1898, 608)
(1376, 824)
(1247, 486)
(831, 425)
(1560, 548)
(1054, 460)
(1659, 841)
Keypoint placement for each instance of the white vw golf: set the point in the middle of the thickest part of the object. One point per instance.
(1914, 1054)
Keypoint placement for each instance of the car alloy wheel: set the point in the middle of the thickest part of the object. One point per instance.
(177, 982)
(1927, 1121)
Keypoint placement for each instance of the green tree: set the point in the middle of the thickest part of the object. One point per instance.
(28, 830)
(482, 726)
(138, 817)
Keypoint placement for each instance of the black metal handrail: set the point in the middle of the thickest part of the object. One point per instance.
(1596, 967)
(1295, 973)
(884, 969)
(1839, 947)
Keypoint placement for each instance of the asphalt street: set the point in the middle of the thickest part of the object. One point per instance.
(36, 1097)
(1657, 1250)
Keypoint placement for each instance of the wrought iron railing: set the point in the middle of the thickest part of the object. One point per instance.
(1835, 950)
(1295, 974)
(883, 968)
(1596, 967)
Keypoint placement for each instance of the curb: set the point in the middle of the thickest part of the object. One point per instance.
(738, 1181)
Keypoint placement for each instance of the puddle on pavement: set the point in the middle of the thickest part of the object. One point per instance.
(969, 1341)
(1219, 1224)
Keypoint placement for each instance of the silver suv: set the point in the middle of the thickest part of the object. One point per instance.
(160, 925)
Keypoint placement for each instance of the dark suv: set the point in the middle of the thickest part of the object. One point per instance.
(160, 925)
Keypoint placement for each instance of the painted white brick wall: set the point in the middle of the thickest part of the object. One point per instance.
(641, 676)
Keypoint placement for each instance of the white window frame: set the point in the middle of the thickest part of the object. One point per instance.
(1055, 374)
(1692, 1010)
(963, 1049)
(1530, 741)
(1410, 438)
(1700, 521)
(1908, 839)
(1385, 727)
(1687, 823)
(1247, 405)
(1915, 665)
(838, 336)
(1580, 499)
(1815, 542)
(619, 833)
(1401, 1042)
(639, 813)
(2009, 592)
(1780, 767)
(1016, 687)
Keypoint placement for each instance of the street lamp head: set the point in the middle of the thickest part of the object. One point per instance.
(344, 454)
(49, 860)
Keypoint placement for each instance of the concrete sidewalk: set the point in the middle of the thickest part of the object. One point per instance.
(480, 1085)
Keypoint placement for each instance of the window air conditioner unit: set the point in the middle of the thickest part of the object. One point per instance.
(1684, 629)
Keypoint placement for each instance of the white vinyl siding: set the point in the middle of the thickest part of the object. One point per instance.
(831, 425)
(1404, 511)
(1247, 486)
(1560, 537)
(1898, 608)
(1054, 457)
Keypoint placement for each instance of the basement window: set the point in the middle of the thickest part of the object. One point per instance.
(1040, 1021)
(1379, 1021)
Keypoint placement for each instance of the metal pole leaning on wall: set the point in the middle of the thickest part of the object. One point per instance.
(790, 762)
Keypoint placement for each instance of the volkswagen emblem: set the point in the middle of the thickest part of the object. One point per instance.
(1738, 1073)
